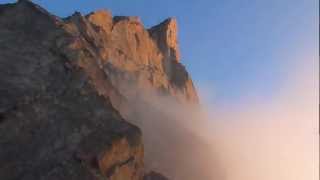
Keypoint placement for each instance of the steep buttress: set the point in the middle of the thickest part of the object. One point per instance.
(67, 86)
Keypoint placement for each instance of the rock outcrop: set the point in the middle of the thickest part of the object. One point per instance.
(66, 85)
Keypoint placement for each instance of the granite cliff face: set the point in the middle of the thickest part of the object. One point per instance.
(67, 90)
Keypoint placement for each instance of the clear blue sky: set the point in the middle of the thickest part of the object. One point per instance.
(238, 48)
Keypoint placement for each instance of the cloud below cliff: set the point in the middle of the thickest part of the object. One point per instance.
(274, 138)
(261, 138)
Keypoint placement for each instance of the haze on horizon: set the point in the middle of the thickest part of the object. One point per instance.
(255, 65)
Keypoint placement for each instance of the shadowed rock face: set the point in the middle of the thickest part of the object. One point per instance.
(54, 123)
(65, 85)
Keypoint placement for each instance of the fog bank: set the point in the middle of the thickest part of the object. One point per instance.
(262, 139)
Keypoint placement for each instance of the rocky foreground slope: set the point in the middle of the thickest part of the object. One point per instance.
(68, 87)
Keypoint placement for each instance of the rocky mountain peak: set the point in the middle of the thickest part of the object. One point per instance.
(69, 88)
(129, 19)
(28, 7)
(101, 18)
(165, 34)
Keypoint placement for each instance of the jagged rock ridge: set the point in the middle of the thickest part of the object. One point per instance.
(66, 85)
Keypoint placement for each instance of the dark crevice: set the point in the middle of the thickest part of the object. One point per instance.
(112, 169)
(2, 117)
(137, 39)
(3, 114)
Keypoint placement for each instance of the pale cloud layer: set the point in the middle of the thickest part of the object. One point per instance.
(274, 138)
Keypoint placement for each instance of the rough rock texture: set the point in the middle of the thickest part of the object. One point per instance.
(54, 122)
(62, 84)
(132, 56)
